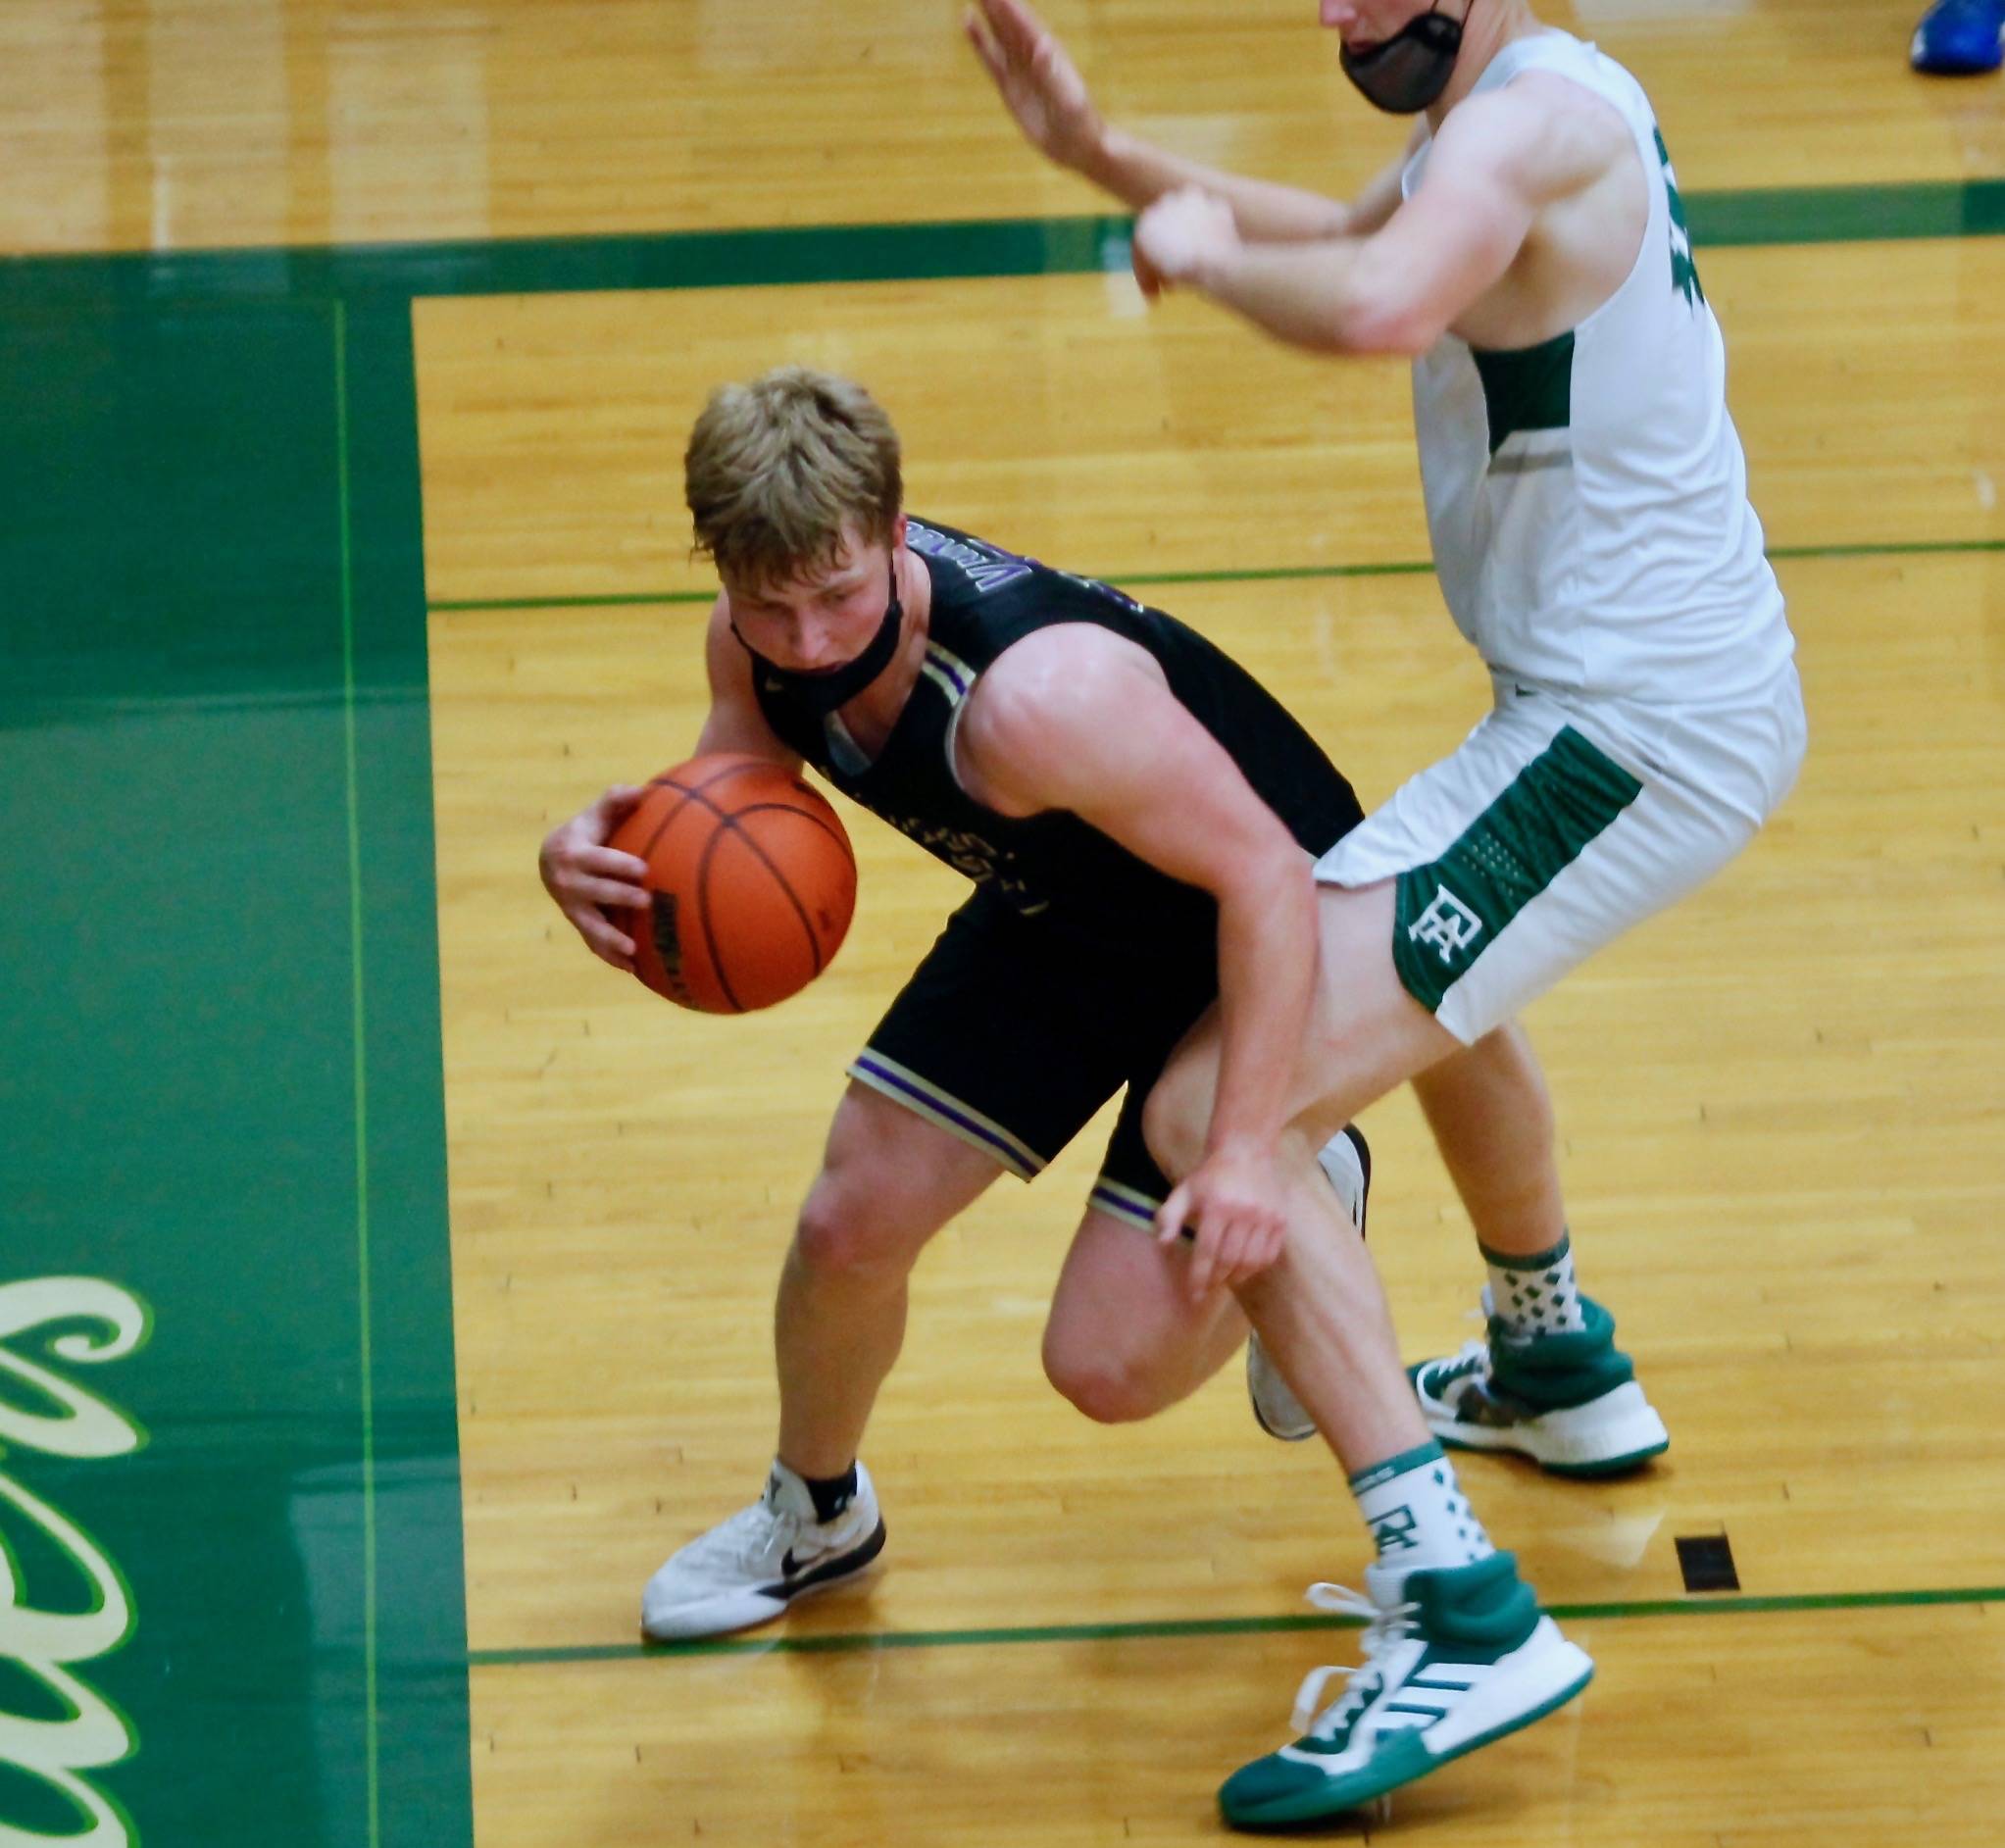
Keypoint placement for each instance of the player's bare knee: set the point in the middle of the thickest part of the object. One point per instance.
(1098, 1380)
(844, 1236)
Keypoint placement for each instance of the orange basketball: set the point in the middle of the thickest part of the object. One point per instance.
(753, 883)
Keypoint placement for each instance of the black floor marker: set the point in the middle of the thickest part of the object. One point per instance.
(1707, 1561)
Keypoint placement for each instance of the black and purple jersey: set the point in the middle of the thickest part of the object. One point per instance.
(1055, 865)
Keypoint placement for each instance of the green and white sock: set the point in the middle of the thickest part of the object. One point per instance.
(1536, 1295)
(1417, 1512)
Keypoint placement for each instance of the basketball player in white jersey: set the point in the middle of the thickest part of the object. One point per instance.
(1586, 499)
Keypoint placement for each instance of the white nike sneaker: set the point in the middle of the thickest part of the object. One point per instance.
(1346, 1162)
(752, 1567)
(1454, 1659)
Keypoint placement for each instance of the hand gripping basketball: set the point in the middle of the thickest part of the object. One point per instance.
(750, 878)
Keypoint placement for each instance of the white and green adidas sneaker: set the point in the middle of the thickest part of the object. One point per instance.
(1454, 1658)
(1570, 1401)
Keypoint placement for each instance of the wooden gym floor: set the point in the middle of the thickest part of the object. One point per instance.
(341, 552)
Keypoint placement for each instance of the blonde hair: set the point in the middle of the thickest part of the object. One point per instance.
(778, 471)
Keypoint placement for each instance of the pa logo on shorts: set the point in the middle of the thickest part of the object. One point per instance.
(1447, 925)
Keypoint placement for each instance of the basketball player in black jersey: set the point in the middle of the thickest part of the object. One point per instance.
(1139, 817)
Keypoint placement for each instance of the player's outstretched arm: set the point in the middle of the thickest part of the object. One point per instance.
(1401, 289)
(1079, 718)
(1043, 88)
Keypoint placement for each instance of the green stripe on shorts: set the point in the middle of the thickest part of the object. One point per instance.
(1449, 912)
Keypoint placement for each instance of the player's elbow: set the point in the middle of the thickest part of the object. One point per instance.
(1388, 320)
(1406, 337)
(1389, 305)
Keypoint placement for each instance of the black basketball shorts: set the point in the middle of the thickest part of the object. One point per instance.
(1014, 1030)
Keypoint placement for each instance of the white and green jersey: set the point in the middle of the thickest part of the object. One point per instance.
(1588, 497)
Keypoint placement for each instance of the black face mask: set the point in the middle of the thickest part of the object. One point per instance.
(1411, 69)
(825, 688)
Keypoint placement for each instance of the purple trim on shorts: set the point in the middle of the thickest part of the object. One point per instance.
(1108, 1202)
(980, 1132)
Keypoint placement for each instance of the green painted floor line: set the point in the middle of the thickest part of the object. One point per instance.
(625, 600)
(371, 1718)
(852, 1642)
(779, 256)
(1281, 574)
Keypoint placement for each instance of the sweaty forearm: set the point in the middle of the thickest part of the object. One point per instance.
(1138, 172)
(1309, 295)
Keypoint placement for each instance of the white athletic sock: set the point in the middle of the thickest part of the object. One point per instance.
(1538, 1295)
(1417, 1512)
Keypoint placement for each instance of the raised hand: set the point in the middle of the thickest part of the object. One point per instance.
(1038, 83)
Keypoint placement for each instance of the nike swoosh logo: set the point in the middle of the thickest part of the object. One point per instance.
(797, 1574)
